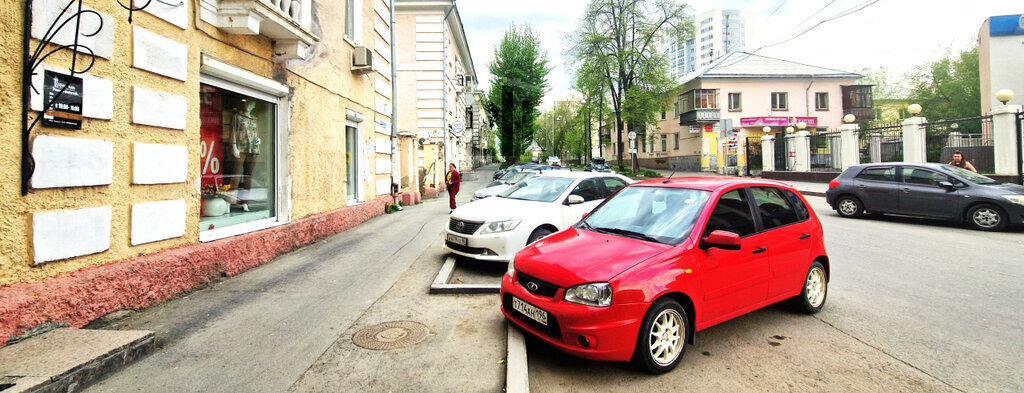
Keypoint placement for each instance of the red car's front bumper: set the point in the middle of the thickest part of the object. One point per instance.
(611, 332)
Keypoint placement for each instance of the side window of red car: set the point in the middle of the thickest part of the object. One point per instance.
(772, 206)
(732, 214)
(802, 212)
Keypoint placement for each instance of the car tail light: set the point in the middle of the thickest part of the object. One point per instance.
(833, 184)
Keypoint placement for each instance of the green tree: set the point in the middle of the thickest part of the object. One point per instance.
(949, 88)
(589, 82)
(519, 80)
(620, 39)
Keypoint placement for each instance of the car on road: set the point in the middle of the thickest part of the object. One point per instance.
(504, 183)
(598, 164)
(927, 190)
(493, 229)
(663, 259)
(554, 161)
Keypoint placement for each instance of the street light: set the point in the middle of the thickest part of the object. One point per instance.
(789, 130)
(766, 129)
(801, 125)
(1004, 95)
(914, 109)
(849, 118)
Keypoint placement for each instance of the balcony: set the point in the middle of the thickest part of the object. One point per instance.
(858, 100)
(700, 116)
(287, 22)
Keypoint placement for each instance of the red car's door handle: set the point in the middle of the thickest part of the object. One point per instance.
(759, 250)
(804, 236)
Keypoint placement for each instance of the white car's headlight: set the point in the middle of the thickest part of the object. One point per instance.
(1018, 199)
(511, 268)
(500, 226)
(593, 294)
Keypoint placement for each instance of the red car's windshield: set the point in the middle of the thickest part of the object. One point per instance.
(659, 214)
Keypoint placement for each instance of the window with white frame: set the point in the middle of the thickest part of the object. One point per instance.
(735, 102)
(780, 101)
(821, 101)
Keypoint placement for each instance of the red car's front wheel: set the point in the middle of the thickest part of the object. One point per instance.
(663, 337)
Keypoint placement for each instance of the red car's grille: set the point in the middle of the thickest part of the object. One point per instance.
(535, 285)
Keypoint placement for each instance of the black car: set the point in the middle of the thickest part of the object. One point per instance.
(927, 190)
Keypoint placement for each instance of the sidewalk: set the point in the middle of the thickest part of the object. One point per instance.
(806, 188)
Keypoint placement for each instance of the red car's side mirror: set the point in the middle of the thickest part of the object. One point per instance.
(722, 239)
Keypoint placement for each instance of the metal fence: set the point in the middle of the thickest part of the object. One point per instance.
(825, 152)
(754, 155)
(971, 136)
(881, 142)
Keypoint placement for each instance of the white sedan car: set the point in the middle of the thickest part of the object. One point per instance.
(494, 229)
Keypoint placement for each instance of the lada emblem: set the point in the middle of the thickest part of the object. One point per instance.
(532, 286)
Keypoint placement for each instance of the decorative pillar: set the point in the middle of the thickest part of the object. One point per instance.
(767, 153)
(849, 145)
(914, 141)
(1004, 138)
(801, 151)
(875, 146)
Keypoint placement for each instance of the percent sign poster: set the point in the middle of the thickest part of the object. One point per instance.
(211, 135)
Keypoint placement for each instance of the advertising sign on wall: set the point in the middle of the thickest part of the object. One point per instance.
(62, 98)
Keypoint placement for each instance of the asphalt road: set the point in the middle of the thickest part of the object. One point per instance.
(914, 305)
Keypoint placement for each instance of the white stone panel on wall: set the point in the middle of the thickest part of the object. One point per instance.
(384, 186)
(430, 114)
(174, 12)
(383, 167)
(158, 109)
(429, 86)
(159, 164)
(383, 146)
(382, 48)
(429, 94)
(159, 220)
(430, 104)
(45, 12)
(72, 162)
(420, 56)
(382, 86)
(382, 126)
(382, 11)
(429, 47)
(382, 67)
(429, 27)
(97, 99)
(382, 30)
(421, 66)
(430, 123)
(429, 76)
(383, 106)
(429, 37)
(158, 54)
(66, 234)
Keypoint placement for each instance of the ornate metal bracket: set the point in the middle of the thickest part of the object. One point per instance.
(34, 58)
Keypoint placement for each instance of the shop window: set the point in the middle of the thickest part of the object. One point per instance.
(237, 162)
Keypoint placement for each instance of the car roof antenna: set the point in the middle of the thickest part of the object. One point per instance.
(670, 175)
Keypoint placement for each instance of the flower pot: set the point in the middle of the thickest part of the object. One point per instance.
(214, 207)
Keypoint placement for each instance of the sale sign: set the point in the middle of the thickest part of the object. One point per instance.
(211, 155)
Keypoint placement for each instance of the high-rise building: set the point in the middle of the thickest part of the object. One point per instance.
(716, 33)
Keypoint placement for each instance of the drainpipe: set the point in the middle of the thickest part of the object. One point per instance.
(396, 153)
(807, 98)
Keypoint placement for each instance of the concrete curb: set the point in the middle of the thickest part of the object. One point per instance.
(517, 374)
(812, 193)
(66, 360)
(441, 285)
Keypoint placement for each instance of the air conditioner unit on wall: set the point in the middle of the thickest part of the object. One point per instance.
(362, 59)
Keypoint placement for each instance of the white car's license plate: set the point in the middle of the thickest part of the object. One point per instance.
(530, 311)
(458, 240)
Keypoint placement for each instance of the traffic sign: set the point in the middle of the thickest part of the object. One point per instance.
(632, 151)
(457, 128)
(632, 135)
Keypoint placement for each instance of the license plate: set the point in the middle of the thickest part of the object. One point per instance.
(530, 311)
(458, 240)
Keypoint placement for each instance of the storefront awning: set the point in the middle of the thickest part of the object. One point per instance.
(777, 121)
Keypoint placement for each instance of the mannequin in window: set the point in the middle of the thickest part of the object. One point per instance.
(245, 147)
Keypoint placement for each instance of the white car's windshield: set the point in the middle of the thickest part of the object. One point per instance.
(538, 188)
(658, 214)
(518, 177)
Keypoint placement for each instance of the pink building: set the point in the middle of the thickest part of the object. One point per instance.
(731, 100)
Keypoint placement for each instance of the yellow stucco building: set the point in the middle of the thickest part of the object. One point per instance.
(212, 135)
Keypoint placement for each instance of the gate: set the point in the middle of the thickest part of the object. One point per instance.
(754, 156)
(971, 136)
(825, 149)
(783, 145)
(881, 143)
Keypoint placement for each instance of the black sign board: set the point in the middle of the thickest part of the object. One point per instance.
(62, 100)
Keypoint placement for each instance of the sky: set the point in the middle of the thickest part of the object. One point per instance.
(898, 34)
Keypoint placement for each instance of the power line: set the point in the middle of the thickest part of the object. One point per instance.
(782, 3)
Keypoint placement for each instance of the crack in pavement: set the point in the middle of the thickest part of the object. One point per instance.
(889, 354)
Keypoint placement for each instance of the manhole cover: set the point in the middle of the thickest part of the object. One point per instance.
(391, 335)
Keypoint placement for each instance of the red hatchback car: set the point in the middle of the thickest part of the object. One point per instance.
(662, 259)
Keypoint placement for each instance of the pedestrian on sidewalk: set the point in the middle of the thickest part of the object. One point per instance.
(451, 182)
(958, 160)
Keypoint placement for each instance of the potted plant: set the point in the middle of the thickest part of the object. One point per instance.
(213, 200)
